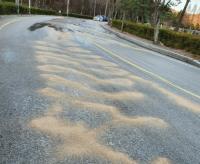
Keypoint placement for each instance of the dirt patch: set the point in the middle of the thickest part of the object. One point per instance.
(55, 60)
(119, 117)
(161, 160)
(181, 101)
(78, 140)
(37, 26)
(54, 80)
(60, 69)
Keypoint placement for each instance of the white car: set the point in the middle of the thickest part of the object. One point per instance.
(98, 18)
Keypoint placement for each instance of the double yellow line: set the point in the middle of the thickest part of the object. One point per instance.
(147, 72)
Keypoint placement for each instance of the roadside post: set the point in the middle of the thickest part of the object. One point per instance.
(17, 4)
(29, 7)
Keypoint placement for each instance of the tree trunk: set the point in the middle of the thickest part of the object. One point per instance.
(156, 31)
(137, 19)
(105, 13)
(29, 7)
(36, 3)
(95, 5)
(82, 6)
(182, 15)
(115, 16)
(111, 11)
(156, 23)
(143, 12)
(123, 18)
(67, 10)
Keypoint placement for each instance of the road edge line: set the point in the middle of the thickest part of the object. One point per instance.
(168, 53)
(148, 72)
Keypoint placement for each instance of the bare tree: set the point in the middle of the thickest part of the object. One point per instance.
(116, 8)
(95, 5)
(123, 19)
(159, 7)
(67, 10)
(179, 23)
(106, 8)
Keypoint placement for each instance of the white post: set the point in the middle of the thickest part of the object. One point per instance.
(106, 8)
(29, 6)
(95, 5)
(68, 1)
(17, 4)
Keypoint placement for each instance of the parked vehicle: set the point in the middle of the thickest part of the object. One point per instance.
(98, 18)
(101, 18)
(105, 18)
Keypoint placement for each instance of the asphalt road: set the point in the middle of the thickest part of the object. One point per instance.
(70, 92)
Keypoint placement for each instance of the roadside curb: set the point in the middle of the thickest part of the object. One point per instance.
(154, 47)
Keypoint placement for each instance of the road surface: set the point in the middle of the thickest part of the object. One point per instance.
(71, 92)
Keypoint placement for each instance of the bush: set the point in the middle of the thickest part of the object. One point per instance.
(79, 16)
(10, 8)
(8, 1)
(140, 30)
(169, 38)
(7, 8)
(179, 40)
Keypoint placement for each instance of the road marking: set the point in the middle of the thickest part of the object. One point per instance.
(148, 72)
(160, 55)
(139, 48)
(4, 25)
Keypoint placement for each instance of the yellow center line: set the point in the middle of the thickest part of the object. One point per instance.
(148, 72)
(149, 51)
(6, 24)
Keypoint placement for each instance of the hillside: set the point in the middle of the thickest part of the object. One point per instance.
(192, 19)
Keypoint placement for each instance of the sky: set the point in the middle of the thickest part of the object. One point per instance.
(193, 2)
